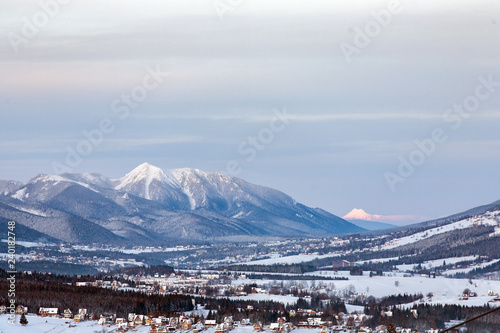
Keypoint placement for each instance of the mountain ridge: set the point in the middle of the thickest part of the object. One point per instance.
(150, 205)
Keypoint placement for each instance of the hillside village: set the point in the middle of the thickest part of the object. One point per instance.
(349, 323)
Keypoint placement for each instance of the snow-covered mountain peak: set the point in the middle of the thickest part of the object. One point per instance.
(144, 173)
(360, 214)
(185, 173)
(55, 179)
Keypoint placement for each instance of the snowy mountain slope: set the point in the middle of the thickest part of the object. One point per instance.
(151, 205)
(487, 219)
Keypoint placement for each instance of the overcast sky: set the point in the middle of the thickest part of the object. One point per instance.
(356, 103)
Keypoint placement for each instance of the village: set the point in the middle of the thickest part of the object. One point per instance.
(309, 322)
(219, 285)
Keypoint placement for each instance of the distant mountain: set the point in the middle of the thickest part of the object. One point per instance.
(152, 206)
(393, 220)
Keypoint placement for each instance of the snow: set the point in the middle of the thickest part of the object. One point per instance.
(31, 211)
(188, 193)
(20, 195)
(169, 249)
(486, 219)
(54, 325)
(147, 173)
(266, 297)
(359, 214)
(467, 270)
(240, 214)
(436, 263)
(380, 260)
(354, 308)
(125, 263)
(445, 290)
(58, 179)
(277, 259)
(25, 244)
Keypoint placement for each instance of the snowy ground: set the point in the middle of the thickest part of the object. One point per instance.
(436, 263)
(467, 270)
(278, 259)
(266, 297)
(53, 325)
(445, 290)
(486, 219)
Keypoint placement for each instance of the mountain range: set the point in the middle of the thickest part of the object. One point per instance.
(151, 206)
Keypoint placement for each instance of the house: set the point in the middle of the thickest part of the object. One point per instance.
(121, 323)
(131, 317)
(258, 327)
(148, 320)
(228, 323)
(21, 310)
(219, 329)
(82, 313)
(274, 327)
(198, 327)
(186, 324)
(102, 321)
(343, 263)
(68, 314)
(139, 319)
(308, 312)
(48, 312)
(3, 309)
(210, 323)
(174, 322)
(77, 318)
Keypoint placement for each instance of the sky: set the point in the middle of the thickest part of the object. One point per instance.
(388, 106)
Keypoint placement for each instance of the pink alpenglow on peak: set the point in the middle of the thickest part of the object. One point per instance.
(360, 214)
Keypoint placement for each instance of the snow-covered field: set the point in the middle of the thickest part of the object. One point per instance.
(445, 290)
(53, 325)
(278, 259)
(265, 297)
(436, 263)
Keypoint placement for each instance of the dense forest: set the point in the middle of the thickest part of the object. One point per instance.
(44, 290)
